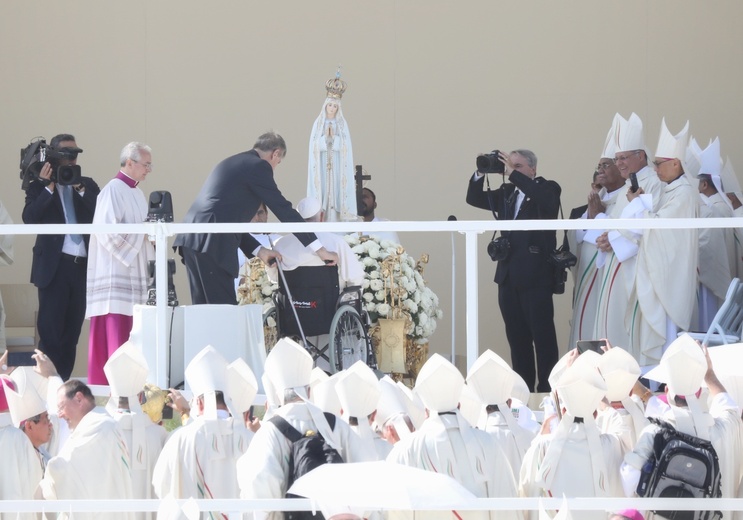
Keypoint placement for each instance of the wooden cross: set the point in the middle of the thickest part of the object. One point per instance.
(360, 178)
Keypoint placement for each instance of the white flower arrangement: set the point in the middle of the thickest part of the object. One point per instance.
(413, 298)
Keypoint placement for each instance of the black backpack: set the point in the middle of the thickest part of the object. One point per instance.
(309, 450)
(681, 466)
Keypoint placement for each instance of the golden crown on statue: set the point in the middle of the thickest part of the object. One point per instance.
(336, 86)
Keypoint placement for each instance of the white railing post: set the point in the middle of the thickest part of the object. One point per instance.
(161, 292)
(471, 307)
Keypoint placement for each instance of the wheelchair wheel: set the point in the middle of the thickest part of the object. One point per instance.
(270, 328)
(349, 340)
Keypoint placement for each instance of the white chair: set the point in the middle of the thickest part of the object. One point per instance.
(727, 325)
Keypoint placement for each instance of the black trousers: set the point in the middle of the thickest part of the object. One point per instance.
(209, 283)
(528, 314)
(62, 312)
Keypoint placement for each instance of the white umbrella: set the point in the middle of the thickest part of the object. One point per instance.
(379, 485)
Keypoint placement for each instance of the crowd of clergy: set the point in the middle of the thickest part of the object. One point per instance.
(593, 439)
(641, 287)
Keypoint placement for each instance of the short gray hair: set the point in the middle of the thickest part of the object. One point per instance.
(531, 157)
(134, 151)
(269, 142)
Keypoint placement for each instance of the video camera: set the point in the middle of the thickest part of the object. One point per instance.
(490, 163)
(38, 152)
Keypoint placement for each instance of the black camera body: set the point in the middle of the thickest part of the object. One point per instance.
(499, 248)
(152, 287)
(490, 163)
(37, 153)
(561, 260)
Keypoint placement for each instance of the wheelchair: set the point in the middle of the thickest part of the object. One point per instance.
(322, 309)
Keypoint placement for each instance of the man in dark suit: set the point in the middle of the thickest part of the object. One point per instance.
(59, 265)
(524, 276)
(233, 192)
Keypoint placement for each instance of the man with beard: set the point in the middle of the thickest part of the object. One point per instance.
(368, 205)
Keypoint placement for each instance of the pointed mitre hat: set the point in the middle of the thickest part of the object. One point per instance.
(24, 401)
(610, 145)
(672, 146)
(126, 371)
(491, 378)
(325, 395)
(693, 158)
(620, 371)
(358, 390)
(629, 135)
(682, 367)
(390, 401)
(242, 386)
(207, 372)
(412, 401)
(581, 388)
(439, 384)
(471, 406)
(288, 365)
(520, 389)
(710, 161)
(729, 180)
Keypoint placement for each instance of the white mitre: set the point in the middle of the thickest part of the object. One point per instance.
(358, 391)
(289, 366)
(325, 394)
(693, 158)
(491, 378)
(610, 145)
(682, 367)
(439, 384)
(126, 371)
(672, 146)
(629, 135)
(24, 401)
(242, 386)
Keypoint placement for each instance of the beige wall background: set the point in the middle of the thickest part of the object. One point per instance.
(430, 84)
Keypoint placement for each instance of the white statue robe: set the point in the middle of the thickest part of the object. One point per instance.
(21, 468)
(616, 311)
(92, 465)
(199, 459)
(330, 178)
(716, 252)
(666, 274)
(263, 471)
(117, 263)
(586, 275)
(6, 258)
(574, 472)
(447, 444)
(143, 454)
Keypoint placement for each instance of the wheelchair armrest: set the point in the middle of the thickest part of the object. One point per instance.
(351, 296)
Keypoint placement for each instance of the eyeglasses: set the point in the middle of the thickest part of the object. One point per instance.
(618, 158)
(657, 163)
(605, 165)
(146, 165)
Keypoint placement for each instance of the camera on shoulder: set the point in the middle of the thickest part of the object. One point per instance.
(37, 153)
(499, 248)
(490, 163)
(561, 260)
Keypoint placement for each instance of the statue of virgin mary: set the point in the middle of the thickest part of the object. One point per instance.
(330, 177)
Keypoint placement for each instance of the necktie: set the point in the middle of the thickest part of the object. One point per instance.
(69, 209)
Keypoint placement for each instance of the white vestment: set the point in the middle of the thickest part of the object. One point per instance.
(616, 311)
(198, 460)
(294, 254)
(117, 263)
(330, 178)
(384, 235)
(92, 465)
(666, 274)
(447, 444)
(586, 275)
(22, 467)
(144, 453)
(263, 471)
(513, 441)
(574, 474)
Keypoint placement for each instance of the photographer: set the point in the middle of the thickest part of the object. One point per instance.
(524, 275)
(59, 263)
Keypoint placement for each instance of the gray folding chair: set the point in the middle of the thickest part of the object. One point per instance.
(728, 322)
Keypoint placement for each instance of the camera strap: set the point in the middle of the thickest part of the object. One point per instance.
(491, 203)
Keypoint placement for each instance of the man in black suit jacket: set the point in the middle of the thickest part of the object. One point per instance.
(233, 192)
(524, 277)
(59, 265)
